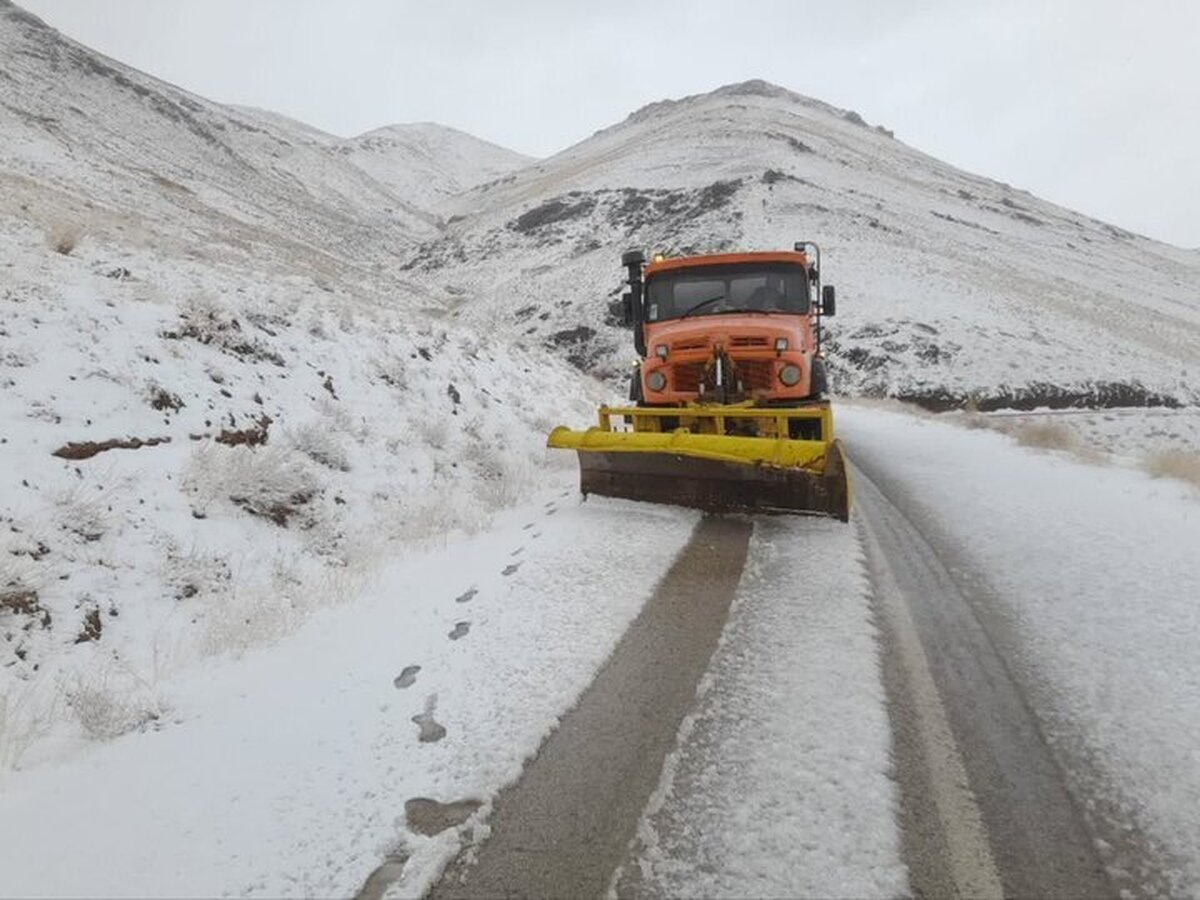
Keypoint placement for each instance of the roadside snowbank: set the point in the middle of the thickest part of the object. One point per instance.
(1099, 570)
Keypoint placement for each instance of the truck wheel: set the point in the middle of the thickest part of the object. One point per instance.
(635, 391)
(819, 385)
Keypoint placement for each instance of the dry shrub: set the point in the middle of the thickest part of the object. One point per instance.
(272, 482)
(65, 238)
(105, 712)
(84, 511)
(434, 430)
(189, 573)
(502, 478)
(1183, 465)
(1047, 436)
(262, 614)
(27, 713)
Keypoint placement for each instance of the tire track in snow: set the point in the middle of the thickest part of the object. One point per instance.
(564, 827)
(985, 808)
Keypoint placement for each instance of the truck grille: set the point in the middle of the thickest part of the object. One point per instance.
(754, 374)
(688, 376)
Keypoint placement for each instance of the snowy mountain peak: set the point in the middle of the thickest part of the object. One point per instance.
(733, 95)
(961, 286)
(428, 163)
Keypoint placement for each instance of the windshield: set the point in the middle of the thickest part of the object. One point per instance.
(711, 290)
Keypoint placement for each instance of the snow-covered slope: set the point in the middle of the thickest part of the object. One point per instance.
(424, 163)
(220, 408)
(92, 145)
(428, 163)
(950, 283)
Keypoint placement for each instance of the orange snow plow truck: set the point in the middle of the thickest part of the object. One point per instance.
(728, 408)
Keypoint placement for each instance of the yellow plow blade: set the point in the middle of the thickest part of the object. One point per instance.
(713, 471)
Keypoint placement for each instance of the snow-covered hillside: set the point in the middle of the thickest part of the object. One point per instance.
(424, 163)
(429, 163)
(95, 146)
(220, 408)
(951, 284)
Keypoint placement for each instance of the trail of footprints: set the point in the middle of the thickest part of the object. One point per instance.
(423, 815)
(430, 730)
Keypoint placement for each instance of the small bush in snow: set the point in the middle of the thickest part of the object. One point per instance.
(433, 430)
(392, 372)
(26, 715)
(105, 713)
(275, 483)
(1181, 464)
(83, 510)
(501, 478)
(262, 614)
(339, 418)
(1047, 436)
(65, 238)
(190, 573)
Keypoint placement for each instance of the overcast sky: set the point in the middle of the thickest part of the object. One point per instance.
(1094, 104)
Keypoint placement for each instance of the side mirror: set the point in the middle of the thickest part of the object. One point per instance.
(627, 308)
(828, 303)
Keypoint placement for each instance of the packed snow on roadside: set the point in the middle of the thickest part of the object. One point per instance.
(780, 784)
(1099, 575)
(287, 772)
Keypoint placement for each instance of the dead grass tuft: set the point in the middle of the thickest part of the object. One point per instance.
(1047, 436)
(65, 238)
(106, 713)
(1183, 465)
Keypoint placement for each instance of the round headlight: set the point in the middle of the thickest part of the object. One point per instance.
(790, 375)
(656, 380)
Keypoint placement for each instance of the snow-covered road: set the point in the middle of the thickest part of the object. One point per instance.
(1057, 608)
(1031, 727)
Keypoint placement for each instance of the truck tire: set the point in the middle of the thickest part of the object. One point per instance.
(819, 385)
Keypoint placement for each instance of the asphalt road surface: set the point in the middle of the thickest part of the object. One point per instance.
(987, 808)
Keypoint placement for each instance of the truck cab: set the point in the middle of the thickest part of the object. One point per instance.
(728, 328)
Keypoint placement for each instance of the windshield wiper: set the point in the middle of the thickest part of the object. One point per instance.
(702, 303)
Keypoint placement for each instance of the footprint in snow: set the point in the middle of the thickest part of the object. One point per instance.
(407, 677)
(467, 595)
(550, 505)
(510, 568)
(527, 526)
(551, 512)
(460, 630)
(431, 731)
(536, 535)
(518, 550)
(430, 818)
(565, 494)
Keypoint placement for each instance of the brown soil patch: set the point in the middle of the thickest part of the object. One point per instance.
(77, 450)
